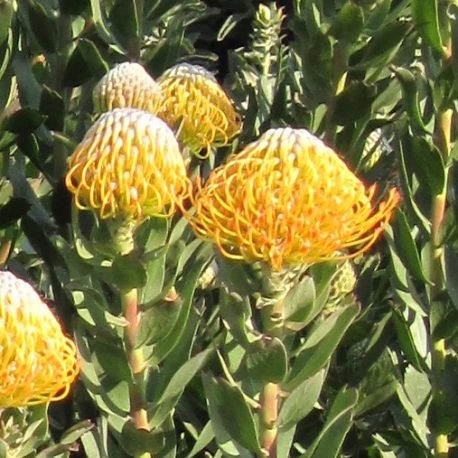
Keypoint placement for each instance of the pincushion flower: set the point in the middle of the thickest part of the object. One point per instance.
(38, 362)
(127, 85)
(287, 199)
(129, 166)
(198, 107)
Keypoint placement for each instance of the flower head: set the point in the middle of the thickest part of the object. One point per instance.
(128, 165)
(127, 85)
(37, 362)
(194, 102)
(288, 199)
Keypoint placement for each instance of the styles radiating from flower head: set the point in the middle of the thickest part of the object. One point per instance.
(288, 199)
(37, 362)
(198, 107)
(127, 85)
(128, 166)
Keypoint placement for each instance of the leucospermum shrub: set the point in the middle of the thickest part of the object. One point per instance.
(209, 195)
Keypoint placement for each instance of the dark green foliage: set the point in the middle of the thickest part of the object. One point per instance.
(354, 371)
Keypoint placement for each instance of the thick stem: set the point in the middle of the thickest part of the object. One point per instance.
(269, 411)
(135, 358)
(123, 233)
(442, 141)
(275, 288)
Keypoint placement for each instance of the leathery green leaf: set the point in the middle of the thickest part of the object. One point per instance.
(266, 360)
(338, 422)
(320, 345)
(425, 16)
(229, 404)
(128, 272)
(299, 403)
(176, 386)
(406, 247)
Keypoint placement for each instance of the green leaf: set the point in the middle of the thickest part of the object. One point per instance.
(42, 25)
(203, 439)
(299, 304)
(237, 276)
(384, 45)
(84, 63)
(6, 14)
(419, 426)
(112, 359)
(75, 432)
(406, 341)
(348, 23)
(406, 246)
(410, 94)
(138, 442)
(53, 108)
(425, 17)
(24, 121)
(185, 288)
(338, 422)
(13, 210)
(72, 7)
(174, 389)
(428, 165)
(94, 60)
(300, 402)
(451, 274)
(267, 360)
(101, 25)
(124, 21)
(29, 88)
(320, 346)
(157, 321)
(353, 103)
(235, 310)
(128, 272)
(228, 408)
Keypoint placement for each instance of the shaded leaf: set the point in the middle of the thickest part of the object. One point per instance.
(338, 422)
(128, 272)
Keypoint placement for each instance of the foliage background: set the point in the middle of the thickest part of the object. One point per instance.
(377, 80)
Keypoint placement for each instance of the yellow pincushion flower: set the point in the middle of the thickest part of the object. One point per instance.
(288, 199)
(128, 165)
(195, 103)
(37, 362)
(127, 85)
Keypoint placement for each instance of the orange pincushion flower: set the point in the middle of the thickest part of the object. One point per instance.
(37, 362)
(288, 199)
(194, 102)
(127, 85)
(128, 165)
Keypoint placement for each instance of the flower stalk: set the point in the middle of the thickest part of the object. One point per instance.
(438, 354)
(129, 302)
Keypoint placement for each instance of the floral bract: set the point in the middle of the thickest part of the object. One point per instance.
(198, 107)
(128, 165)
(37, 362)
(288, 199)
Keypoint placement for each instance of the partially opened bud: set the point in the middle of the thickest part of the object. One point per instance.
(37, 362)
(127, 85)
(288, 199)
(198, 107)
(129, 166)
